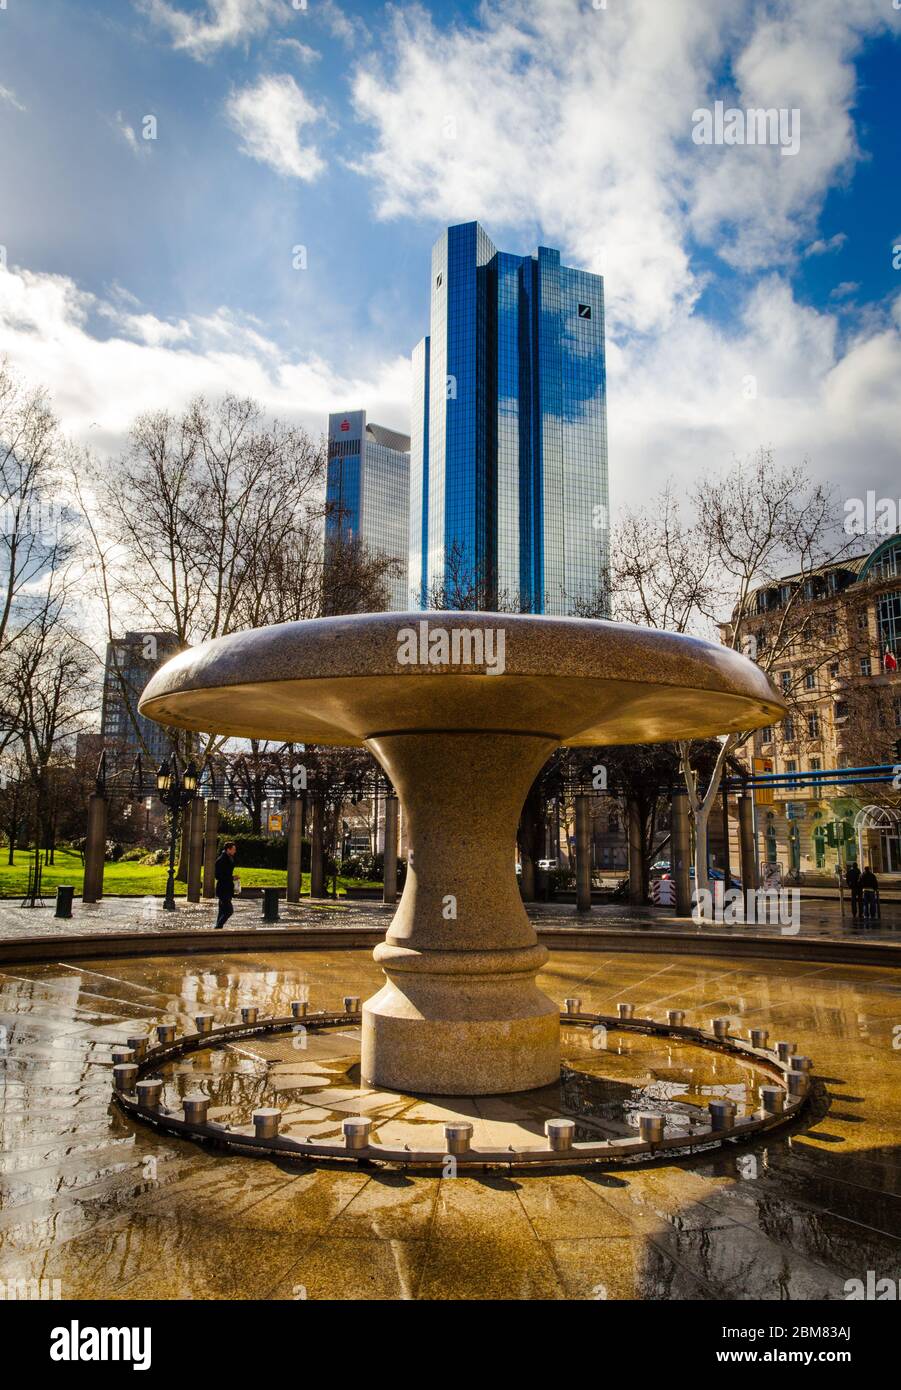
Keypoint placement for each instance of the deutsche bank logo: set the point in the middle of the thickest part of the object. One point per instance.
(584, 311)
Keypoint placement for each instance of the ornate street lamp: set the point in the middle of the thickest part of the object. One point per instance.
(176, 791)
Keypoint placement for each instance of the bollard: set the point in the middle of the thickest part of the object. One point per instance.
(722, 1114)
(625, 1010)
(772, 1098)
(265, 1123)
(560, 1134)
(138, 1046)
(351, 1004)
(573, 1006)
(123, 1054)
(720, 1028)
(650, 1129)
(125, 1074)
(458, 1137)
(64, 895)
(759, 1037)
(800, 1063)
(150, 1093)
(299, 1008)
(165, 1032)
(798, 1083)
(785, 1050)
(270, 904)
(196, 1108)
(204, 1023)
(676, 1018)
(356, 1133)
(250, 1013)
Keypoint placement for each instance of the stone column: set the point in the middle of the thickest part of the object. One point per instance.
(295, 846)
(747, 843)
(727, 866)
(317, 868)
(389, 862)
(194, 817)
(95, 849)
(583, 854)
(680, 851)
(636, 854)
(210, 847)
(460, 1013)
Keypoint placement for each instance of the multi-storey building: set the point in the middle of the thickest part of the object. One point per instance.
(368, 496)
(130, 662)
(509, 431)
(839, 670)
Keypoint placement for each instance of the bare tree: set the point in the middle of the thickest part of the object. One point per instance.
(750, 527)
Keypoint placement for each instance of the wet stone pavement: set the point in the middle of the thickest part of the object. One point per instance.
(113, 1210)
(819, 918)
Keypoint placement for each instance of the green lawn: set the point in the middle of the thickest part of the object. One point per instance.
(128, 879)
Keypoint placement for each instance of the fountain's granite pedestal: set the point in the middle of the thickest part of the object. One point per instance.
(462, 739)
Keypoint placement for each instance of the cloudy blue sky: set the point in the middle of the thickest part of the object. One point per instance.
(752, 296)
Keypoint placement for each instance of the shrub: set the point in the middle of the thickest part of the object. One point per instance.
(265, 851)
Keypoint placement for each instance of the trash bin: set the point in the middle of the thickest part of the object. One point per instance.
(64, 895)
(270, 904)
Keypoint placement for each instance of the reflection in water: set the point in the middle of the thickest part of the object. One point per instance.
(110, 1208)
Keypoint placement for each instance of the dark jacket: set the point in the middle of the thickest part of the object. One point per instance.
(225, 876)
(868, 881)
(852, 877)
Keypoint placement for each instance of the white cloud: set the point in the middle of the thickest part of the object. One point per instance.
(269, 117)
(9, 96)
(302, 51)
(823, 248)
(222, 23)
(139, 148)
(579, 120)
(99, 384)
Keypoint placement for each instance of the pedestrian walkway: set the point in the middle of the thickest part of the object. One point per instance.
(819, 919)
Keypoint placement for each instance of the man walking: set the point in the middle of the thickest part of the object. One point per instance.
(225, 882)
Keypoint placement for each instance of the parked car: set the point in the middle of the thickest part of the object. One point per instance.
(549, 865)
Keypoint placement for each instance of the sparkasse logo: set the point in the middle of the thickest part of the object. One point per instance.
(77, 1343)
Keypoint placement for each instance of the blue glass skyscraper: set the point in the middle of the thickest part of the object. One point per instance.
(367, 495)
(508, 479)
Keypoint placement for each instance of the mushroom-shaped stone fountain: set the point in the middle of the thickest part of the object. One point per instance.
(461, 710)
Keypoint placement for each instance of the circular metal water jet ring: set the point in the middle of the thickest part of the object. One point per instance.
(784, 1100)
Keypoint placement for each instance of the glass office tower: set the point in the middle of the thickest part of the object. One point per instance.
(368, 494)
(509, 431)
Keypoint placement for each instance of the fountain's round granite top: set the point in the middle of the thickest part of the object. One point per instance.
(578, 680)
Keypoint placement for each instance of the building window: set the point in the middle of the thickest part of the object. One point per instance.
(788, 732)
(889, 618)
(785, 678)
(841, 709)
(865, 666)
(810, 680)
(862, 622)
(766, 735)
(833, 671)
(816, 764)
(813, 725)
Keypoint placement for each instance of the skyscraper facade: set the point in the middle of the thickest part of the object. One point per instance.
(130, 662)
(368, 495)
(509, 432)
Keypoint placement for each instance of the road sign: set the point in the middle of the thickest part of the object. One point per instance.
(275, 823)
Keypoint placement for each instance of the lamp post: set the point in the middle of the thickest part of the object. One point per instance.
(176, 791)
